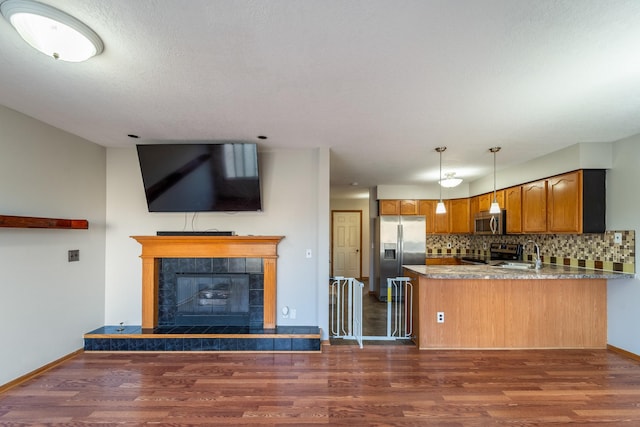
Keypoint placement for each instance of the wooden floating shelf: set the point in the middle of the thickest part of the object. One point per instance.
(34, 222)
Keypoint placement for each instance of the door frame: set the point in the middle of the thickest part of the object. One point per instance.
(359, 243)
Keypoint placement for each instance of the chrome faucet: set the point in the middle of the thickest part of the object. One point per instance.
(538, 260)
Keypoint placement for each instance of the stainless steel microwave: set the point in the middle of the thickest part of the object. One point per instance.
(488, 223)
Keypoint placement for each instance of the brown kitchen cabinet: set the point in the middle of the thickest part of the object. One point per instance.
(459, 212)
(573, 202)
(389, 207)
(576, 202)
(427, 208)
(436, 223)
(564, 203)
(455, 220)
(534, 207)
(513, 207)
(408, 207)
(398, 207)
(441, 221)
(485, 200)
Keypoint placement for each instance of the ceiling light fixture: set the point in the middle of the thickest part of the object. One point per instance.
(495, 207)
(440, 208)
(450, 180)
(52, 31)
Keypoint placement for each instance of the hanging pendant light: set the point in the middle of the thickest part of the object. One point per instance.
(440, 208)
(495, 207)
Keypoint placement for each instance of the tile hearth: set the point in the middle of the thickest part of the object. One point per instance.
(204, 338)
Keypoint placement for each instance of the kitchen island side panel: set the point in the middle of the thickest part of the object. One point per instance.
(508, 314)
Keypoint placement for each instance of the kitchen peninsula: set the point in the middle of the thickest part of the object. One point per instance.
(490, 307)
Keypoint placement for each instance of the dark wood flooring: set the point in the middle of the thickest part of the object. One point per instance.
(343, 385)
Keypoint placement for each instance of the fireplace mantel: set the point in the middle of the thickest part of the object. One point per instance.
(156, 247)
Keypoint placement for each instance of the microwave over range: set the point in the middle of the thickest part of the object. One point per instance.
(488, 223)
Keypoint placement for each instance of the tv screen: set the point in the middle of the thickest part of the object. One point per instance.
(200, 177)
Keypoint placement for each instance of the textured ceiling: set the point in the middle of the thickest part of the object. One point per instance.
(381, 83)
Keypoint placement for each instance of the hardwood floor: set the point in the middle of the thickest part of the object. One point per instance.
(343, 385)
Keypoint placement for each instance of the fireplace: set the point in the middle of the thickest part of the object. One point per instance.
(166, 258)
(211, 292)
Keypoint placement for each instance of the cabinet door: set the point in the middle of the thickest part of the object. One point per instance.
(534, 207)
(485, 200)
(564, 203)
(428, 209)
(389, 207)
(474, 205)
(441, 221)
(460, 216)
(408, 207)
(513, 206)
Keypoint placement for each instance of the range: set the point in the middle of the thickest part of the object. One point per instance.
(498, 252)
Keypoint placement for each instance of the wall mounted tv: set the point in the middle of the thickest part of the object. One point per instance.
(200, 177)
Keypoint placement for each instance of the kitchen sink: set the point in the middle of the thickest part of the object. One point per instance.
(515, 265)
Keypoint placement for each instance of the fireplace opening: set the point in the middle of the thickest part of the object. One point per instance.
(212, 299)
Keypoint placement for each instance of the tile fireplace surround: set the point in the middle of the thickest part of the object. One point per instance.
(151, 336)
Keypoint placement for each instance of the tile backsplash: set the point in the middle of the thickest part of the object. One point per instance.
(594, 251)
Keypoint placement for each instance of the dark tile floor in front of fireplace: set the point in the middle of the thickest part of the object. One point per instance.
(203, 338)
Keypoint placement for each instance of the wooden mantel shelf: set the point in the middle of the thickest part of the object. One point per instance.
(35, 222)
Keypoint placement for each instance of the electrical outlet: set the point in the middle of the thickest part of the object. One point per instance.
(440, 317)
(74, 255)
(617, 238)
(448, 245)
(484, 245)
(308, 253)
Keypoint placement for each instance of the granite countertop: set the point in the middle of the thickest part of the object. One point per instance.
(491, 272)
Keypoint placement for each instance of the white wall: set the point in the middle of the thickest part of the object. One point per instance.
(592, 155)
(295, 205)
(47, 303)
(623, 213)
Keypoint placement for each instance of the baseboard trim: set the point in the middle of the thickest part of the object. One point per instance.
(40, 370)
(622, 352)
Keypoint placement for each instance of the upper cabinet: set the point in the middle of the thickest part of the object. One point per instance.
(576, 202)
(459, 216)
(389, 207)
(485, 200)
(427, 208)
(573, 202)
(398, 207)
(534, 207)
(408, 207)
(564, 203)
(513, 207)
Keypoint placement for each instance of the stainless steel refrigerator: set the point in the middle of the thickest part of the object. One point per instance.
(399, 240)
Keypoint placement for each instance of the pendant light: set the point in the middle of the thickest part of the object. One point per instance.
(51, 31)
(440, 209)
(495, 207)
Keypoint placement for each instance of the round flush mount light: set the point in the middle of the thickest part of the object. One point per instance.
(51, 31)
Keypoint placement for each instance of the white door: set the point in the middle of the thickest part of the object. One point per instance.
(346, 243)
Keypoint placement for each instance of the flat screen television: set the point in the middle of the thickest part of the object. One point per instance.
(200, 177)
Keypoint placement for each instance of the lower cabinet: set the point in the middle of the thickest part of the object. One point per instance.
(510, 313)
